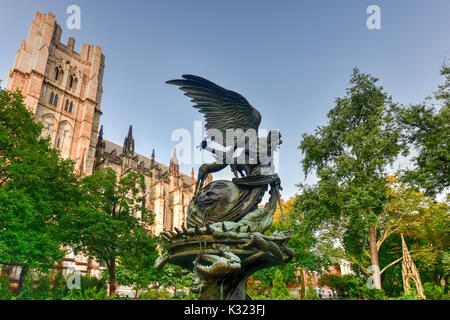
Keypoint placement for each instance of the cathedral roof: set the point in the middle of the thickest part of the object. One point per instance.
(111, 146)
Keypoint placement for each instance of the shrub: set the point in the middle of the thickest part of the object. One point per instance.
(434, 292)
(311, 293)
(155, 294)
(5, 287)
(279, 289)
(35, 289)
(373, 294)
(91, 293)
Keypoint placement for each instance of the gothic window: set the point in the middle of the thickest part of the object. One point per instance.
(66, 107)
(73, 82)
(55, 101)
(71, 105)
(49, 126)
(57, 74)
(64, 138)
(52, 95)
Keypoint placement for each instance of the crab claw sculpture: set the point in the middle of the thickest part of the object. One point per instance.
(223, 241)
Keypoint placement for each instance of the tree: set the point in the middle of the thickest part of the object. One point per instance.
(350, 156)
(311, 293)
(136, 268)
(36, 188)
(109, 223)
(279, 289)
(427, 129)
(287, 206)
(312, 251)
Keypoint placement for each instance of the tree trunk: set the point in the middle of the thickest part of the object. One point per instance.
(23, 273)
(376, 276)
(112, 277)
(302, 284)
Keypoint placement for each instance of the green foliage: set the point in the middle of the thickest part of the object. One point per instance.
(87, 294)
(347, 286)
(279, 289)
(155, 294)
(91, 288)
(36, 188)
(350, 156)
(427, 129)
(136, 267)
(58, 287)
(107, 224)
(373, 294)
(434, 292)
(311, 293)
(35, 287)
(5, 290)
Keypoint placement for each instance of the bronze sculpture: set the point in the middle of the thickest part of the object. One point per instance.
(223, 241)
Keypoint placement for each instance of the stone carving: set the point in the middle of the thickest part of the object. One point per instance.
(223, 241)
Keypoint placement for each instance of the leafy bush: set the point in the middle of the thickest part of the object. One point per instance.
(155, 294)
(35, 289)
(279, 289)
(5, 290)
(311, 293)
(347, 286)
(91, 293)
(92, 288)
(434, 292)
(59, 287)
(373, 294)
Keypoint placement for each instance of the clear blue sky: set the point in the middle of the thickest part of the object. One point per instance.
(290, 59)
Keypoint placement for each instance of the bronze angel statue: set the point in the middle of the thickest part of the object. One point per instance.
(230, 116)
(223, 240)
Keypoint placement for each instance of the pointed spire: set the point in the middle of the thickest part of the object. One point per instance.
(174, 168)
(100, 136)
(128, 144)
(152, 163)
(174, 158)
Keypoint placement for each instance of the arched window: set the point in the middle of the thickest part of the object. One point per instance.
(51, 98)
(49, 122)
(55, 102)
(73, 82)
(66, 107)
(57, 74)
(64, 138)
(71, 105)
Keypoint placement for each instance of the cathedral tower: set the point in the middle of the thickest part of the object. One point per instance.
(62, 88)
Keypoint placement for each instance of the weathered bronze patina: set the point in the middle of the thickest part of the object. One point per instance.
(223, 241)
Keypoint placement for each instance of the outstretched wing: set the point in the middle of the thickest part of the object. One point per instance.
(223, 109)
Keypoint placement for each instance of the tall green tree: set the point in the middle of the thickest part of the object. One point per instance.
(279, 289)
(109, 223)
(350, 156)
(36, 188)
(427, 129)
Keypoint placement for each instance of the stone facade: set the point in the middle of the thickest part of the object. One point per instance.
(63, 89)
(168, 191)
